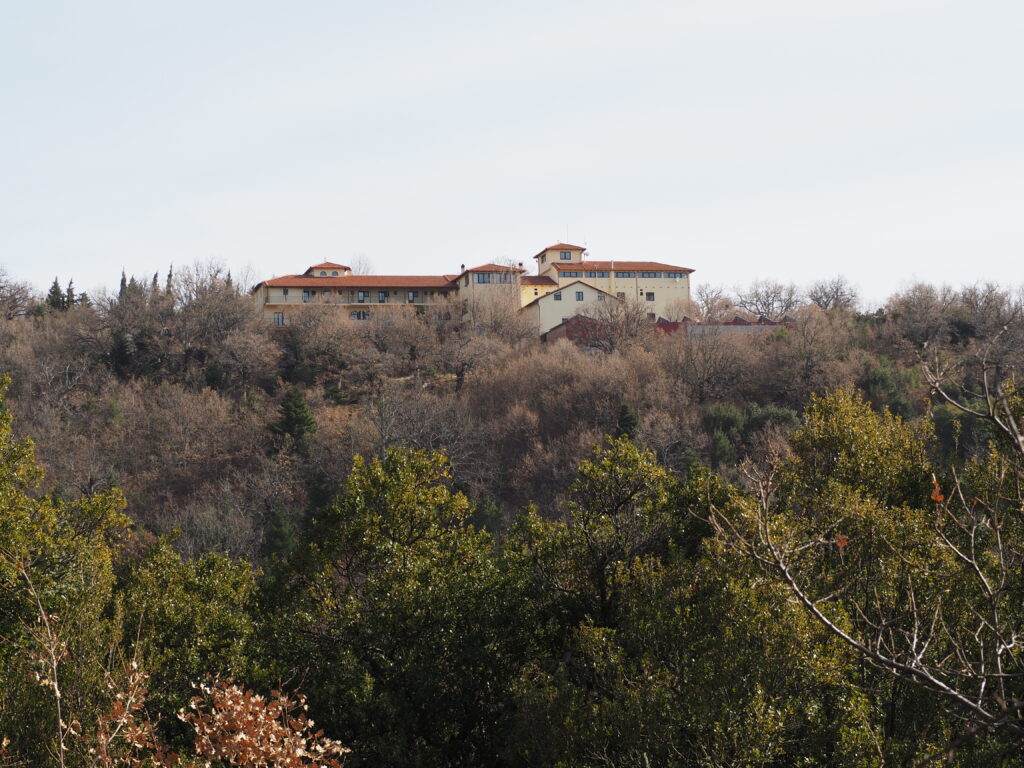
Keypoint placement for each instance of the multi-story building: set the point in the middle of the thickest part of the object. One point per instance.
(579, 285)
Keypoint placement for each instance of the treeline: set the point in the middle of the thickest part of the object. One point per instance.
(424, 526)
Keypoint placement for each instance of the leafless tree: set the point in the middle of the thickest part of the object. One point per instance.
(713, 305)
(15, 296)
(768, 299)
(836, 293)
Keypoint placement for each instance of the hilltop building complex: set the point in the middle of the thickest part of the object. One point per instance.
(566, 284)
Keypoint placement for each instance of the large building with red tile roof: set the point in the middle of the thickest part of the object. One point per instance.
(660, 288)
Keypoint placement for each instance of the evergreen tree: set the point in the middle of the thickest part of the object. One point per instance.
(627, 424)
(69, 300)
(123, 287)
(296, 417)
(56, 299)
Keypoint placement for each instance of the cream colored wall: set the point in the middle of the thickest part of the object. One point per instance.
(668, 291)
(547, 312)
(528, 293)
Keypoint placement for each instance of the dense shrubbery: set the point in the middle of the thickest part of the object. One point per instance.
(425, 528)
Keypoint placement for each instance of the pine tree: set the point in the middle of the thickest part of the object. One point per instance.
(70, 300)
(124, 286)
(56, 299)
(627, 424)
(296, 418)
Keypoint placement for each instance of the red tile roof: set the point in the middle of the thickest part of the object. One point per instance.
(494, 268)
(536, 280)
(560, 247)
(621, 266)
(360, 281)
(326, 265)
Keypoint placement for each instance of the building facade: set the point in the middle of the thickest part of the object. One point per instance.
(566, 284)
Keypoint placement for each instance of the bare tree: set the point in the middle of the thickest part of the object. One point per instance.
(769, 299)
(836, 293)
(713, 305)
(15, 297)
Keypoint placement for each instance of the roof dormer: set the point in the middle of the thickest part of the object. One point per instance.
(327, 269)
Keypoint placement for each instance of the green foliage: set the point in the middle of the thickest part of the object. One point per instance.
(185, 619)
(297, 419)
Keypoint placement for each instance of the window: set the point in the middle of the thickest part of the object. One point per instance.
(571, 274)
(324, 292)
(359, 315)
(621, 295)
(334, 273)
(323, 273)
(543, 259)
(284, 291)
(565, 255)
(467, 279)
(506, 277)
(483, 277)
(279, 318)
(650, 274)
(625, 274)
(602, 274)
(535, 292)
(600, 297)
(579, 295)
(675, 274)
(305, 295)
(413, 297)
(650, 296)
(651, 317)
(363, 296)
(382, 297)
(591, 274)
(558, 295)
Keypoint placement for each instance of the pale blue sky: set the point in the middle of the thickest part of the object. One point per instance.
(792, 139)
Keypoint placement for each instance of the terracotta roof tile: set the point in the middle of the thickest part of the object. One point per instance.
(360, 281)
(494, 268)
(536, 280)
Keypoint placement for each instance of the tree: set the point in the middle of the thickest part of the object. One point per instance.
(920, 585)
(297, 419)
(56, 299)
(628, 422)
(836, 293)
(15, 297)
(768, 299)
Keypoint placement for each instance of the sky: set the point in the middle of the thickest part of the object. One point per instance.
(792, 140)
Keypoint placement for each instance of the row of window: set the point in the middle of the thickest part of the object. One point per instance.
(324, 274)
(622, 274)
(600, 297)
(363, 297)
(493, 277)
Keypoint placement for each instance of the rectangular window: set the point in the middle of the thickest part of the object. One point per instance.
(650, 274)
(600, 297)
(591, 274)
(483, 277)
(284, 291)
(625, 274)
(279, 318)
(565, 255)
(506, 277)
(651, 317)
(363, 296)
(543, 259)
(382, 297)
(305, 295)
(359, 315)
(571, 274)
(579, 295)
(621, 295)
(602, 274)
(413, 297)
(558, 295)
(650, 296)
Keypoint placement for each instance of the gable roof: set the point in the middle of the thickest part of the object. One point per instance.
(560, 247)
(536, 280)
(326, 265)
(569, 285)
(622, 266)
